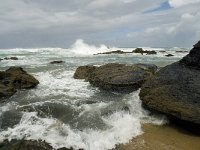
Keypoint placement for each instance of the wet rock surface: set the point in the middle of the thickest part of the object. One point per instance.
(117, 77)
(27, 145)
(13, 79)
(175, 89)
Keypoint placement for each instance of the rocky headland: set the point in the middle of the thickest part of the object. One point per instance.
(175, 89)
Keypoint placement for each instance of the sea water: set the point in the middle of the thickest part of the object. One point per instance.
(66, 112)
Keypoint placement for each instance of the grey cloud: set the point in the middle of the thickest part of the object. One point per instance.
(45, 23)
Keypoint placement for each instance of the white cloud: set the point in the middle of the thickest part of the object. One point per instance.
(179, 3)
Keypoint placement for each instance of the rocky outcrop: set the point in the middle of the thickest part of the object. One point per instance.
(116, 77)
(13, 79)
(57, 62)
(175, 89)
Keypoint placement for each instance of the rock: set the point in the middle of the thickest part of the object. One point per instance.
(151, 52)
(57, 62)
(175, 89)
(193, 58)
(114, 52)
(83, 72)
(169, 55)
(27, 145)
(162, 51)
(119, 77)
(150, 67)
(11, 58)
(140, 50)
(13, 79)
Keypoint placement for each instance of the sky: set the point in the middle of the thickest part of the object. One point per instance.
(120, 23)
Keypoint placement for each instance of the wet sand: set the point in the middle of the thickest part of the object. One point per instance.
(165, 137)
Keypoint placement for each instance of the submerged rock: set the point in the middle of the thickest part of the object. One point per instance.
(15, 78)
(116, 77)
(169, 55)
(11, 58)
(175, 89)
(57, 62)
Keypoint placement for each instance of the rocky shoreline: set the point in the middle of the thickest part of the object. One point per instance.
(173, 90)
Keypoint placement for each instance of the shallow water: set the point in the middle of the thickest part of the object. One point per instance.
(71, 113)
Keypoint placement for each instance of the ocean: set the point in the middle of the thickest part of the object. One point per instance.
(66, 112)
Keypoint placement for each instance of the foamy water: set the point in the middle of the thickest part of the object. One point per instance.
(71, 113)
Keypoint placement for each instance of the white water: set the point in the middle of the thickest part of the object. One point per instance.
(99, 120)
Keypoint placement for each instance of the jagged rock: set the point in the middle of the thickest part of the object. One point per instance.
(175, 89)
(15, 78)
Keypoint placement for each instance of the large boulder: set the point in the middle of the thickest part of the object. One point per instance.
(175, 89)
(13, 79)
(116, 77)
(83, 72)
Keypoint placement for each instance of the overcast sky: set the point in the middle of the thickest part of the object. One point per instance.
(122, 23)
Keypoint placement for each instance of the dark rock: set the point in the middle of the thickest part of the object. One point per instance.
(181, 51)
(175, 89)
(150, 67)
(11, 58)
(82, 72)
(138, 50)
(57, 62)
(151, 52)
(114, 52)
(193, 58)
(169, 55)
(119, 77)
(27, 145)
(141, 51)
(15, 78)
(162, 51)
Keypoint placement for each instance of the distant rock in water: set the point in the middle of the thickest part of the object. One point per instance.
(57, 62)
(141, 51)
(169, 55)
(10, 58)
(175, 89)
(113, 52)
(116, 77)
(13, 79)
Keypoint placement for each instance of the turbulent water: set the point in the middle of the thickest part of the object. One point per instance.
(71, 113)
